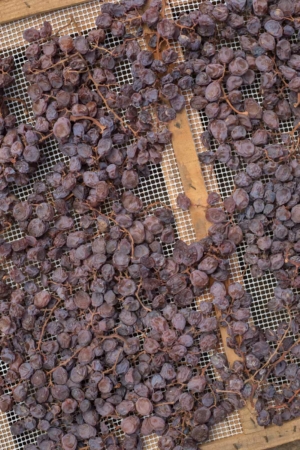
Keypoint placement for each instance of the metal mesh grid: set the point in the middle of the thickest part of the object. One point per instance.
(164, 182)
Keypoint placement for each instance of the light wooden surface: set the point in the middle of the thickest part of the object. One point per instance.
(253, 436)
(190, 172)
(18, 9)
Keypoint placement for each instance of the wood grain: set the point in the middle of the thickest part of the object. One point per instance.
(190, 171)
(194, 187)
(18, 9)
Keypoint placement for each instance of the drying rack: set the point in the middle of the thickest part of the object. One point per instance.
(179, 172)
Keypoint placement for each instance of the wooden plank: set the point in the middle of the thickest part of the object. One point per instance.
(194, 187)
(248, 420)
(18, 9)
(193, 181)
(261, 439)
(190, 171)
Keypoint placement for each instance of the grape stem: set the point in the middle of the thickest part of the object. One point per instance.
(157, 203)
(19, 100)
(91, 119)
(61, 62)
(113, 368)
(63, 27)
(242, 113)
(111, 110)
(46, 323)
(114, 335)
(163, 8)
(121, 228)
(283, 405)
(140, 301)
(64, 363)
(76, 25)
(275, 352)
(298, 101)
(292, 132)
(45, 137)
(9, 225)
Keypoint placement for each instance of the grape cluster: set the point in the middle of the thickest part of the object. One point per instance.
(112, 356)
(19, 144)
(244, 136)
(6, 69)
(97, 323)
(105, 128)
(266, 172)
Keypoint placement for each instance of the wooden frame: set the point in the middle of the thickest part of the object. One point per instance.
(253, 436)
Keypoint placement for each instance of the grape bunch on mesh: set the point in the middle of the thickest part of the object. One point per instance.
(97, 323)
(19, 143)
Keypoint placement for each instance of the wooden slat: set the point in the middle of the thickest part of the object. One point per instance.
(18, 9)
(190, 172)
(194, 187)
(248, 420)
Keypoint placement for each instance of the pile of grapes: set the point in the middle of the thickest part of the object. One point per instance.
(19, 144)
(98, 326)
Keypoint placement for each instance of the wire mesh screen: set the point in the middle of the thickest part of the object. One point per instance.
(163, 184)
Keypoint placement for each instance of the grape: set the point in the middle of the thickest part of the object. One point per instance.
(215, 215)
(31, 35)
(241, 198)
(295, 214)
(219, 130)
(198, 102)
(144, 407)
(274, 28)
(213, 92)
(157, 423)
(238, 132)
(226, 55)
(130, 424)
(238, 66)
(66, 44)
(270, 118)
(197, 384)
(41, 299)
(199, 278)
(283, 50)
(6, 403)
(244, 148)
(183, 202)
(260, 7)
(200, 433)
(62, 128)
(69, 442)
(22, 211)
